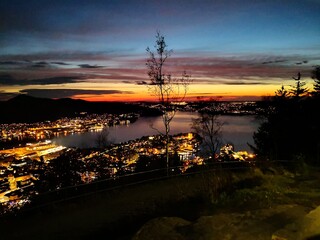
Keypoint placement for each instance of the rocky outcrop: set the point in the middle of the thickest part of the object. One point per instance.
(162, 228)
(307, 227)
(256, 225)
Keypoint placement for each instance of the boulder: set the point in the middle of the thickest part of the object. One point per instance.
(307, 227)
(169, 228)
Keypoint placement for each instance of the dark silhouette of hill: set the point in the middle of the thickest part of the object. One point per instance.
(24, 108)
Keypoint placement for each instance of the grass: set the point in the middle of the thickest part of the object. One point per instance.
(267, 190)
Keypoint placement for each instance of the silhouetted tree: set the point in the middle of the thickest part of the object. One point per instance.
(163, 86)
(63, 172)
(315, 75)
(299, 90)
(282, 93)
(208, 126)
(291, 128)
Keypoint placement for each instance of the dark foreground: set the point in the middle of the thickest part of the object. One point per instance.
(256, 203)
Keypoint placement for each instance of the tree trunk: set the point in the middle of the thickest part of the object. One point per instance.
(166, 120)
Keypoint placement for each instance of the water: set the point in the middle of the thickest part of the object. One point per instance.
(237, 130)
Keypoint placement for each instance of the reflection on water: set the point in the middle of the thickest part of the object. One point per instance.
(237, 130)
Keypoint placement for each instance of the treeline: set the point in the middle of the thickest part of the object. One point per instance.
(291, 130)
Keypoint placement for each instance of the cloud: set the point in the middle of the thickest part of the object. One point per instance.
(275, 61)
(243, 83)
(208, 69)
(248, 68)
(67, 93)
(55, 80)
(60, 63)
(9, 80)
(10, 62)
(68, 55)
(6, 79)
(207, 93)
(22, 64)
(40, 65)
(302, 62)
(142, 83)
(89, 66)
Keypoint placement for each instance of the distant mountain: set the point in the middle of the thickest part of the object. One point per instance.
(23, 97)
(24, 108)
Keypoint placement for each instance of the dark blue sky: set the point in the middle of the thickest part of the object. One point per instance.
(218, 42)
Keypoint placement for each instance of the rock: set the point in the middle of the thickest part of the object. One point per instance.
(162, 228)
(307, 227)
(257, 225)
(220, 226)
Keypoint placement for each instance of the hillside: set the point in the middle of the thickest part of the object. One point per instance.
(24, 108)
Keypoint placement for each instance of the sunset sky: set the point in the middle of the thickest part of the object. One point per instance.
(96, 50)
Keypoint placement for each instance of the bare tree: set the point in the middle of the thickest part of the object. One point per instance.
(102, 140)
(163, 86)
(209, 127)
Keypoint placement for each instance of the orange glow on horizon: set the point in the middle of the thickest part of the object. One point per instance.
(196, 92)
(128, 92)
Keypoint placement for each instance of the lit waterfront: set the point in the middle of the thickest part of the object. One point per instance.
(22, 168)
(20, 133)
(27, 172)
